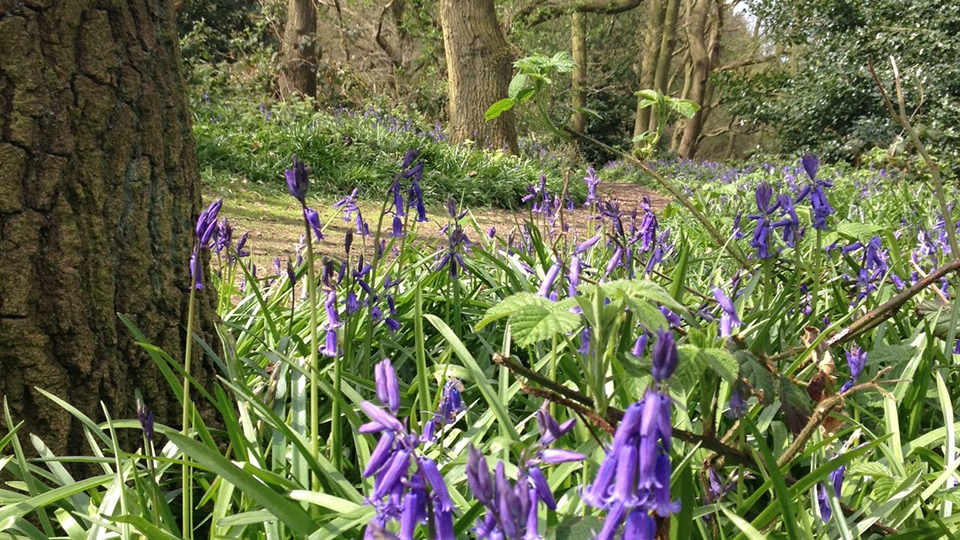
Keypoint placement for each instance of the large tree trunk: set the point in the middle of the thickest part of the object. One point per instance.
(300, 50)
(99, 193)
(668, 39)
(703, 58)
(648, 63)
(478, 72)
(578, 78)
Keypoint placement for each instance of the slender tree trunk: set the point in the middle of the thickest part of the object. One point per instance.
(648, 62)
(99, 194)
(478, 71)
(578, 78)
(684, 94)
(668, 39)
(703, 58)
(300, 51)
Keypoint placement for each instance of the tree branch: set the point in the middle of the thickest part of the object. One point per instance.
(537, 12)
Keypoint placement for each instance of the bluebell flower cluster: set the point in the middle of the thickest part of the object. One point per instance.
(511, 508)
(856, 360)
(408, 487)
(818, 199)
(206, 232)
(633, 482)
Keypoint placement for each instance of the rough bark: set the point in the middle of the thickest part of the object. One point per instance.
(578, 78)
(648, 62)
(703, 57)
(99, 192)
(668, 39)
(478, 72)
(300, 50)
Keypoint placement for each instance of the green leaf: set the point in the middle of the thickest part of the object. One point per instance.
(509, 305)
(648, 95)
(577, 528)
(498, 108)
(531, 324)
(862, 232)
(789, 513)
(684, 107)
(721, 362)
(874, 469)
(518, 84)
(478, 377)
(286, 510)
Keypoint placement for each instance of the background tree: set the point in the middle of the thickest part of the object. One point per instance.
(99, 192)
(704, 55)
(479, 69)
(820, 96)
(300, 50)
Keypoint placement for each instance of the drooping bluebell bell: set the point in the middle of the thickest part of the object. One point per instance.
(573, 279)
(224, 236)
(313, 219)
(330, 346)
(737, 406)
(548, 280)
(241, 244)
(145, 417)
(451, 402)
(818, 199)
(729, 319)
(856, 360)
(640, 345)
(761, 236)
(388, 387)
(587, 244)
(672, 318)
(592, 181)
(298, 180)
(790, 224)
(614, 261)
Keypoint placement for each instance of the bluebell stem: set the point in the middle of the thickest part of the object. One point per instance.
(856, 360)
(729, 319)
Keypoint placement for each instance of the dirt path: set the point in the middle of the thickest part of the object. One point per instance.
(275, 227)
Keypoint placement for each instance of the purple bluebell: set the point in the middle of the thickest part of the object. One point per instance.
(737, 406)
(313, 219)
(573, 279)
(298, 180)
(592, 181)
(195, 270)
(330, 347)
(640, 345)
(672, 318)
(388, 387)
(856, 360)
(224, 236)
(761, 235)
(550, 428)
(584, 246)
(241, 244)
(823, 501)
(333, 314)
(207, 223)
(729, 319)
(549, 279)
(614, 261)
(451, 402)
(810, 163)
(790, 224)
(145, 417)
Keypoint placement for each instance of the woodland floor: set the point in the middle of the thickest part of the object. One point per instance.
(275, 226)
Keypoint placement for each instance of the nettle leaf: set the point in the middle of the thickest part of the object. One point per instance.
(937, 314)
(874, 469)
(525, 95)
(499, 108)
(643, 289)
(721, 362)
(647, 315)
(534, 323)
(509, 305)
(759, 378)
(796, 405)
(576, 528)
(860, 231)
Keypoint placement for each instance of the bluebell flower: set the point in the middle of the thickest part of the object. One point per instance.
(145, 417)
(818, 199)
(549, 279)
(729, 319)
(790, 224)
(592, 181)
(313, 219)
(451, 402)
(330, 347)
(298, 180)
(856, 360)
(760, 240)
(584, 246)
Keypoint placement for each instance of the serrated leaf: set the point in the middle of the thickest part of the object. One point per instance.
(883, 487)
(874, 469)
(534, 323)
(509, 305)
(863, 232)
(684, 107)
(796, 405)
(577, 528)
(722, 363)
(937, 313)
